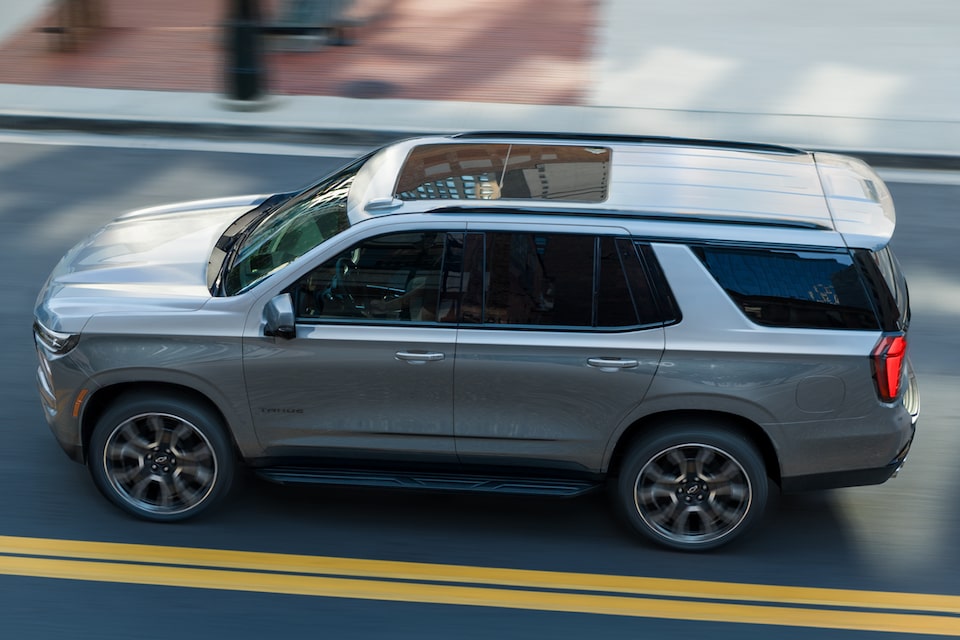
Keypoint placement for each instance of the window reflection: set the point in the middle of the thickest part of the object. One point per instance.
(503, 171)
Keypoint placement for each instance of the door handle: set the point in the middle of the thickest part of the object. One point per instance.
(419, 357)
(612, 364)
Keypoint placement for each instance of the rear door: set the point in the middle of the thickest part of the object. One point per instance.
(558, 343)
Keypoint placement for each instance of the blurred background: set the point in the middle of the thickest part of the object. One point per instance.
(111, 105)
(879, 74)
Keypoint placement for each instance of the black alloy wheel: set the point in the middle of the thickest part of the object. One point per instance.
(692, 488)
(161, 458)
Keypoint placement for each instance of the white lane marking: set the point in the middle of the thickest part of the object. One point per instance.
(174, 143)
(67, 139)
(920, 176)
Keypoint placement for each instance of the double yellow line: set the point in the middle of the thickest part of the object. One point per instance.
(480, 586)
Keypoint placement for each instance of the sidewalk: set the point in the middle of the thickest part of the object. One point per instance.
(868, 76)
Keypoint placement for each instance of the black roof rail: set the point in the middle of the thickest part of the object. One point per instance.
(606, 137)
(659, 216)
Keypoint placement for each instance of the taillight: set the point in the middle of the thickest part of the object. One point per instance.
(888, 358)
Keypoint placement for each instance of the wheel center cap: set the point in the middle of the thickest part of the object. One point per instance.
(162, 462)
(693, 491)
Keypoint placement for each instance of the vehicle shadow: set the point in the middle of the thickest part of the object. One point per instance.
(802, 540)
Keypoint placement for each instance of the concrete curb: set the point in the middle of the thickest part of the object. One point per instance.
(333, 120)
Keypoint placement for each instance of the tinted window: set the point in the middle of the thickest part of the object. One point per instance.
(555, 280)
(615, 303)
(793, 288)
(493, 171)
(539, 279)
(661, 304)
(407, 277)
(887, 286)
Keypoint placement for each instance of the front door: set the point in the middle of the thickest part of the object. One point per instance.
(370, 371)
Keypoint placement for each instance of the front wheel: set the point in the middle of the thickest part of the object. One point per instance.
(161, 458)
(692, 488)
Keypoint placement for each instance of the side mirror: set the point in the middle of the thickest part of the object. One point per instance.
(278, 317)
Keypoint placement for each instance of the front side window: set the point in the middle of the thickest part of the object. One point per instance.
(803, 289)
(401, 277)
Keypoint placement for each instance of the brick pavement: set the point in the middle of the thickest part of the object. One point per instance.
(507, 51)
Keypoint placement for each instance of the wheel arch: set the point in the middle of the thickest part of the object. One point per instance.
(662, 421)
(103, 398)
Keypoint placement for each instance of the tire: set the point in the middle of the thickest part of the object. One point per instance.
(692, 487)
(161, 458)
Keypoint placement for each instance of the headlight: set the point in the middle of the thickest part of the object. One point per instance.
(54, 341)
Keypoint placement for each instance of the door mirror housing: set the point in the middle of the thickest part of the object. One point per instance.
(278, 317)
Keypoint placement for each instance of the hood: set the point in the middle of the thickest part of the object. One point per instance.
(154, 257)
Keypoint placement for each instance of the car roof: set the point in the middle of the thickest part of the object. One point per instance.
(655, 178)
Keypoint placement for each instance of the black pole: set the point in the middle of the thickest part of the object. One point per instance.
(244, 74)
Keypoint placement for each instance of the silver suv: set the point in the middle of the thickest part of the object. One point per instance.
(688, 321)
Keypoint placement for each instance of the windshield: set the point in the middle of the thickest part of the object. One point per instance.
(302, 223)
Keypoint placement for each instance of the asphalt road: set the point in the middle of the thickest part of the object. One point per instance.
(898, 537)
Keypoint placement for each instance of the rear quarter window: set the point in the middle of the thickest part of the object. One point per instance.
(887, 285)
(802, 289)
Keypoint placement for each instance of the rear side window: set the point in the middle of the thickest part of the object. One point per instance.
(803, 289)
(555, 280)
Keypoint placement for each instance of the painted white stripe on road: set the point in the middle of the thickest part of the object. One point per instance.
(908, 176)
(104, 141)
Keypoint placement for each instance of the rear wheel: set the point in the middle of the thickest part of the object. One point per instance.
(692, 487)
(161, 458)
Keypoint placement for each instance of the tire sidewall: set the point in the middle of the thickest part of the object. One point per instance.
(206, 421)
(730, 443)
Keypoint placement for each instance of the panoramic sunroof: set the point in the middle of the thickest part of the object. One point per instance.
(566, 173)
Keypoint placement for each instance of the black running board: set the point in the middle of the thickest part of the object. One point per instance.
(433, 481)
